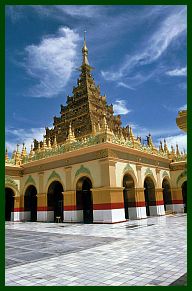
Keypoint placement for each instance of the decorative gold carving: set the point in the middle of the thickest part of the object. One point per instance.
(54, 175)
(11, 182)
(82, 170)
(30, 180)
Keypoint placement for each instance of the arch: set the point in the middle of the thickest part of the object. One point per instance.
(30, 203)
(182, 178)
(149, 193)
(55, 200)
(9, 203)
(166, 192)
(84, 199)
(129, 171)
(10, 183)
(128, 192)
(184, 194)
(149, 174)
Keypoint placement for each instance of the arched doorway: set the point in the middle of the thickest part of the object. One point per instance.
(84, 200)
(166, 193)
(9, 203)
(30, 203)
(55, 199)
(149, 192)
(184, 194)
(128, 193)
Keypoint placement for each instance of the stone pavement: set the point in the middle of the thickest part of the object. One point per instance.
(147, 252)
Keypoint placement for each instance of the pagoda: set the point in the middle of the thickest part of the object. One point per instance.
(85, 111)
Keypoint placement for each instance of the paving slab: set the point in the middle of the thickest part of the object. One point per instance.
(148, 252)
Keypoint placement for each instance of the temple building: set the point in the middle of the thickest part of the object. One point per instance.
(89, 168)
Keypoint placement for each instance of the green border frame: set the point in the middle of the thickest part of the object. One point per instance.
(3, 3)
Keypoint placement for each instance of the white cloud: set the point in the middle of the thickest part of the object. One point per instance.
(180, 139)
(51, 62)
(184, 107)
(177, 72)
(170, 29)
(88, 11)
(125, 85)
(18, 136)
(120, 107)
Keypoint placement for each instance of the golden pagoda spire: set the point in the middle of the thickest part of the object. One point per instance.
(44, 144)
(13, 155)
(71, 136)
(23, 152)
(85, 52)
(49, 143)
(165, 147)
(161, 146)
(172, 150)
(177, 150)
(31, 154)
(55, 141)
(17, 156)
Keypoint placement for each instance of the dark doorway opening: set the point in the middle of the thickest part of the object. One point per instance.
(184, 194)
(128, 193)
(84, 199)
(166, 193)
(30, 202)
(9, 203)
(149, 192)
(55, 199)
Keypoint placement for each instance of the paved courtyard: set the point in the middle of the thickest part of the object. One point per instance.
(149, 252)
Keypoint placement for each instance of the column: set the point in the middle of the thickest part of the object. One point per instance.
(108, 202)
(138, 209)
(17, 210)
(42, 209)
(177, 200)
(158, 207)
(70, 214)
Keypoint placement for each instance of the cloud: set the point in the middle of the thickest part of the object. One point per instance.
(120, 107)
(177, 72)
(51, 62)
(16, 136)
(184, 107)
(180, 139)
(88, 11)
(125, 85)
(155, 46)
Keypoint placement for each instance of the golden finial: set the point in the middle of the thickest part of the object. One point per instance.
(49, 143)
(85, 52)
(165, 147)
(161, 146)
(177, 150)
(172, 150)
(71, 136)
(55, 141)
(31, 154)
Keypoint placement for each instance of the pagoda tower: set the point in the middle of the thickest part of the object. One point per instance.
(85, 109)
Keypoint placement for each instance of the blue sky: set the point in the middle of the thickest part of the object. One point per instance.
(139, 56)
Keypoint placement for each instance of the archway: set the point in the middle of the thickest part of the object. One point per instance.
(128, 193)
(9, 203)
(184, 194)
(55, 199)
(84, 200)
(30, 203)
(149, 192)
(166, 193)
